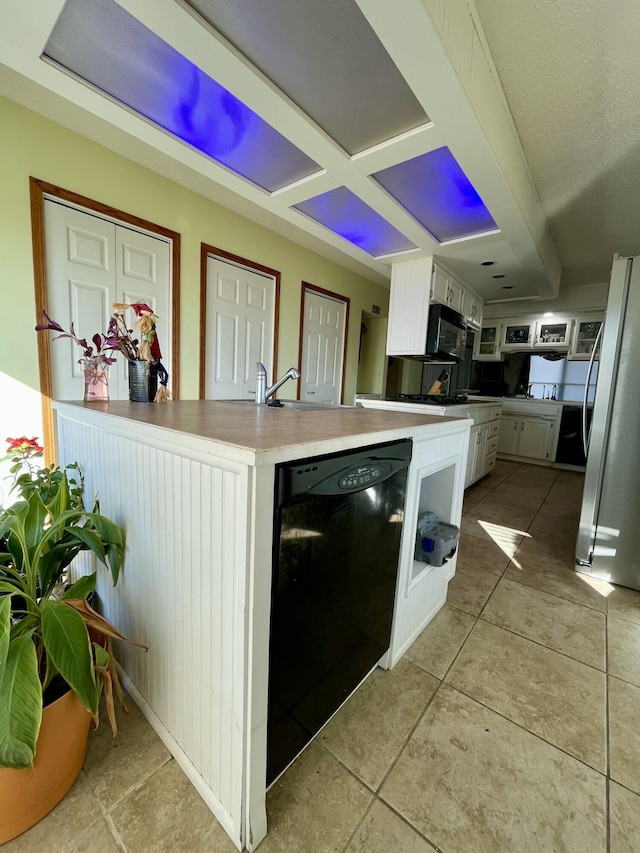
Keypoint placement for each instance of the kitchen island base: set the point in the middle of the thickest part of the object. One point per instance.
(194, 493)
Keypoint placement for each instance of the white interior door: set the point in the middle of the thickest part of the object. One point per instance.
(143, 274)
(92, 262)
(240, 320)
(323, 335)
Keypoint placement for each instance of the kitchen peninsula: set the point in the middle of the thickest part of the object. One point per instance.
(192, 484)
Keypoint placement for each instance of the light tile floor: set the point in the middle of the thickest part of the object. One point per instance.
(510, 726)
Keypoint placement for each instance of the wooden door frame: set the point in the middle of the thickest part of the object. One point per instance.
(205, 251)
(338, 297)
(38, 190)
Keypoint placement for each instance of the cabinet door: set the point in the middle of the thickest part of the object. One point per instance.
(486, 344)
(517, 335)
(509, 437)
(471, 308)
(584, 337)
(479, 469)
(535, 437)
(455, 295)
(440, 285)
(552, 334)
(468, 303)
(472, 456)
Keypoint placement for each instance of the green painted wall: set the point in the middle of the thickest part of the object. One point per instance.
(33, 145)
(372, 372)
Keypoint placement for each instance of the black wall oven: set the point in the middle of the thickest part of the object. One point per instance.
(338, 522)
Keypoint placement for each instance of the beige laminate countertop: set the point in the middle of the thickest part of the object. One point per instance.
(259, 434)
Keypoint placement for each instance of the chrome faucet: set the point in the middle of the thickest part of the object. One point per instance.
(262, 392)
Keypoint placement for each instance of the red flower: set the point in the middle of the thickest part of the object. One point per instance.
(24, 445)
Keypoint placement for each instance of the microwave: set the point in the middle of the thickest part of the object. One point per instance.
(446, 332)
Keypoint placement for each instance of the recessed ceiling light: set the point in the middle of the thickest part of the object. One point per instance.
(499, 275)
(487, 263)
(507, 287)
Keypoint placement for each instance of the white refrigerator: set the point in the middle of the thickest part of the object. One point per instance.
(608, 544)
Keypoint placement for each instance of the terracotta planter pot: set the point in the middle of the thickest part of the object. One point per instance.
(26, 796)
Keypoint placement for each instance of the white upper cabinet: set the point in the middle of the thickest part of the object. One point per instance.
(414, 285)
(585, 332)
(486, 343)
(553, 333)
(575, 335)
(472, 308)
(447, 290)
(455, 295)
(517, 334)
(440, 282)
(409, 307)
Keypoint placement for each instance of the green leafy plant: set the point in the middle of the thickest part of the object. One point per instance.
(28, 475)
(48, 633)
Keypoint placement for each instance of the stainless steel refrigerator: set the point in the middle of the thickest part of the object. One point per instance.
(608, 544)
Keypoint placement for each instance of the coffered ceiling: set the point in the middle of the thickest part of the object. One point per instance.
(367, 131)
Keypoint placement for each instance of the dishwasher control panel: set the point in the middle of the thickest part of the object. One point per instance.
(341, 473)
(363, 476)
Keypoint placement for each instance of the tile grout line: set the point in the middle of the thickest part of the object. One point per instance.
(528, 731)
(375, 792)
(397, 758)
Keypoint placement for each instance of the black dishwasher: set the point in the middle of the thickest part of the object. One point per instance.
(337, 527)
(570, 450)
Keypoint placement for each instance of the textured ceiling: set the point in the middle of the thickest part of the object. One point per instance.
(571, 74)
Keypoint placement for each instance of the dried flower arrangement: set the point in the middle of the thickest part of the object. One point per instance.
(97, 355)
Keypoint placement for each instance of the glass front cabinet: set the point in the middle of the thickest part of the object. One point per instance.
(517, 335)
(584, 337)
(552, 334)
(486, 343)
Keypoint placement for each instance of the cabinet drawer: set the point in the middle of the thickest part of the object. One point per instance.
(490, 463)
(492, 445)
(494, 428)
(495, 413)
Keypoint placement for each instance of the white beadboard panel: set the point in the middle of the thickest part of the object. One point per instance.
(182, 592)
(409, 307)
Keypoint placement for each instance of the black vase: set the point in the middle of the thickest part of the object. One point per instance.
(143, 381)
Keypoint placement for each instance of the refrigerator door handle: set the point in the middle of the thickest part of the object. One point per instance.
(585, 439)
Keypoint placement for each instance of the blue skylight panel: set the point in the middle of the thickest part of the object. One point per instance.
(345, 214)
(438, 194)
(107, 47)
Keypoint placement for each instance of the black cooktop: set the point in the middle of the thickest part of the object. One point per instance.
(433, 399)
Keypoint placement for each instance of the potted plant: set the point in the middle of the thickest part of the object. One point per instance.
(143, 355)
(55, 650)
(96, 358)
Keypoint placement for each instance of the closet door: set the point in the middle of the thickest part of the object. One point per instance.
(81, 264)
(240, 318)
(143, 274)
(92, 262)
(323, 345)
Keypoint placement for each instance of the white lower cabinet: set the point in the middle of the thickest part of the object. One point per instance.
(476, 460)
(529, 435)
(509, 435)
